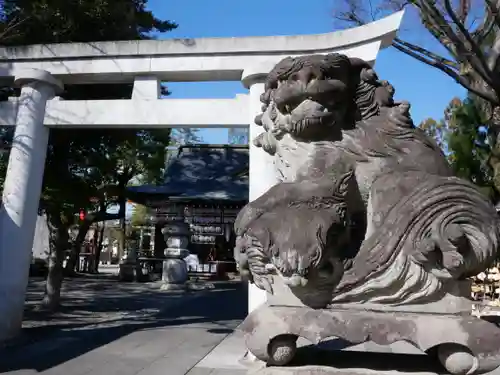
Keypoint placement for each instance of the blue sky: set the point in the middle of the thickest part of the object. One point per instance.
(428, 90)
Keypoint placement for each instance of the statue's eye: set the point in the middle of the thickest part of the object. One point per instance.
(326, 268)
(293, 77)
(273, 85)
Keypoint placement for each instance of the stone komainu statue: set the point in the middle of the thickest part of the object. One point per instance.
(368, 223)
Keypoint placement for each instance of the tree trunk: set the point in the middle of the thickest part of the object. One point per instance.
(91, 218)
(495, 154)
(98, 249)
(123, 238)
(159, 241)
(77, 244)
(58, 243)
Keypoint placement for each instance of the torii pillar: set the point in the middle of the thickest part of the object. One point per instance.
(21, 194)
(262, 169)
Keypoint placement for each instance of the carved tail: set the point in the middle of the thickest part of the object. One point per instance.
(443, 229)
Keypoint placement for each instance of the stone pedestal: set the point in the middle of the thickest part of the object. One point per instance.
(463, 344)
(174, 271)
(174, 274)
(21, 195)
(129, 267)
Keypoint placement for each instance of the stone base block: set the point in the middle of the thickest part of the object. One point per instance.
(195, 286)
(462, 344)
(173, 287)
(347, 362)
(174, 271)
(354, 363)
(324, 370)
(127, 272)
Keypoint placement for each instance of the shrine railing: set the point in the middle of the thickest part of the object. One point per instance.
(486, 291)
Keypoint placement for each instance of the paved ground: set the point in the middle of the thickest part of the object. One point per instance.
(111, 328)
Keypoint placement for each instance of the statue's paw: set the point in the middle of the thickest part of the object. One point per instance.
(264, 282)
(266, 141)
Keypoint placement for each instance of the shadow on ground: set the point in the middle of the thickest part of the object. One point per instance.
(377, 362)
(82, 325)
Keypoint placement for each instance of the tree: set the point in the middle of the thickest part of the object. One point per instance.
(89, 163)
(9, 28)
(185, 136)
(62, 21)
(238, 136)
(119, 159)
(140, 215)
(464, 136)
(469, 32)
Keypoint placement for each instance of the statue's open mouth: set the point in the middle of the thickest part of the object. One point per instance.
(307, 118)
(314, 126)
(290, 278)
(320, 118)
(302, 270)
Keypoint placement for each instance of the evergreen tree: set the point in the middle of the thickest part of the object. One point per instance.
(464, 134)
(85, 168)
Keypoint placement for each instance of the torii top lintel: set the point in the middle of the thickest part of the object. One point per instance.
(204, 59)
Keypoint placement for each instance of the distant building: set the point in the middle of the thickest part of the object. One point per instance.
(204, 186)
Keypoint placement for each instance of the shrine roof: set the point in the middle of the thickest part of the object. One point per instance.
(200, 172)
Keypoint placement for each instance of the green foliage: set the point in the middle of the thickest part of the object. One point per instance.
(184, 136)
(140, 215)
(61, 21)
(464, 135)
(238, 136)
(88, 163)
(469, 144)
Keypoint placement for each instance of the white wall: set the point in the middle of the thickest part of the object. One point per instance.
(40, 248)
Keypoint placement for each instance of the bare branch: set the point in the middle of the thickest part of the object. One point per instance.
(11, 26)
(448, 22)
(460, 79)
(434, 28)
(372, 10)
(493, 7)
(439, 26)
(483, 69)
(485, 28)
(493, 58)
(396, 5)
(350, 18)
(352, 14)
(463, 10)
(443, 32)
(428, 54)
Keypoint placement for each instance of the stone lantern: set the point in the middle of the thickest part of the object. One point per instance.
(174, 272)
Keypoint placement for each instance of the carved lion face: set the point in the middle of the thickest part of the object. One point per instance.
(307, 96)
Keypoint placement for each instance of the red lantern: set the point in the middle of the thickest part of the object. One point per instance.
(82, 215)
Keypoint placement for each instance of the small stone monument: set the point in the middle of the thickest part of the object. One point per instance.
(175, 273)
(129, 266)
(369, 236)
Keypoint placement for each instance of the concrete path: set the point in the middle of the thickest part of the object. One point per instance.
(111, 328)
(155, 333)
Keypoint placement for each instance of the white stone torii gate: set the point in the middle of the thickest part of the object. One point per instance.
(42, 70)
